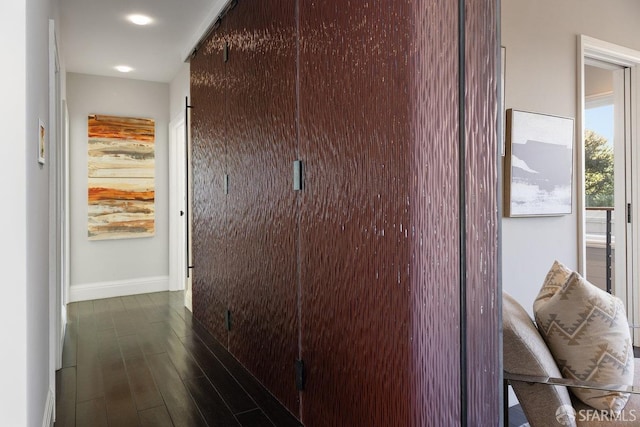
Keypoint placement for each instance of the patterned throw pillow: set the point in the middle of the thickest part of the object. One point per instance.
(587, 332)
(556, 277)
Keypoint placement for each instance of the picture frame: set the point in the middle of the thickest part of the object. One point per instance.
(538, 164)
(121, 177)
(42, 142)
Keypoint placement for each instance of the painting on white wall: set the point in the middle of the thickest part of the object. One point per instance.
(538, 164)
(121, 177)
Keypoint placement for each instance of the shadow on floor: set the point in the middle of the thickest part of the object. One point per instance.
(142, 360)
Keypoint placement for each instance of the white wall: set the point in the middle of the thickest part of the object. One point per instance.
(40, 381)
(179, 89)
(116, 267)
(24, 184)
(541, 76)
(13, 216)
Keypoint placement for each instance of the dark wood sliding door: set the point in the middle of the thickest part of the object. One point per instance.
(380, 273)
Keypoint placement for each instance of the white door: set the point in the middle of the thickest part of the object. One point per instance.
(607, 167)
(178, 223)
(617, 124)
(627, 194)
(177, 209)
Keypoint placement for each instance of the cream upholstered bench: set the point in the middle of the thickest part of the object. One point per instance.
(531, 370)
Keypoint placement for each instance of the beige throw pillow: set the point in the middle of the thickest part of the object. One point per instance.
(556, 278)
(587, 332)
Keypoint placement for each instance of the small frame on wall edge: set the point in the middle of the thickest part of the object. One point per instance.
(42, 142)
(538, 164)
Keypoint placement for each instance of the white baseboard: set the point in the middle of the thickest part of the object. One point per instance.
(120, 288)
(48, 419)
(187, 300)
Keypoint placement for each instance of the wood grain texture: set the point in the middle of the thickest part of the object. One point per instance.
(354, 137)
(213, 408)
(360, 274)
(91, 413)
(435, 214)
(251, 137)
(484, 295)
(66, 397)
(148, 376)
(209, 125)
(155, 417)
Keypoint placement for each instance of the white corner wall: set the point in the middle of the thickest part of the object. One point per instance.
(13, 220)
(108, 268)
(40, 378)
(25, 398)
(541, 76)
(180, 88)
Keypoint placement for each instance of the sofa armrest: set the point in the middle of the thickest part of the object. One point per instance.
(533, 379)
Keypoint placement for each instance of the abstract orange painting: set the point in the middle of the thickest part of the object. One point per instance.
(121, 177)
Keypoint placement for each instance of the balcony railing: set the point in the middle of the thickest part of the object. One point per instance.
(608, 243)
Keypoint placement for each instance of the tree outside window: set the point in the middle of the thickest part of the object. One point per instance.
(598, 170)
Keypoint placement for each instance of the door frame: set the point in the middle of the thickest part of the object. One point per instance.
(589, 47)
(177, 205)
(57, 309)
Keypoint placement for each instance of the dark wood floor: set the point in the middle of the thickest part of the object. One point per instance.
(143, 361)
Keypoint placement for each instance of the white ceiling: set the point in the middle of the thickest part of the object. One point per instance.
(597, 81)
(96, 36)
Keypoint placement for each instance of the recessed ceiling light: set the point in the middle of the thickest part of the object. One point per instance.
(140, 19)
(123, 68)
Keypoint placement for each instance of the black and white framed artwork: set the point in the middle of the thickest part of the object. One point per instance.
(538, 164)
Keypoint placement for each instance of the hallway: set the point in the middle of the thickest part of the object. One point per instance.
(143, 361)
